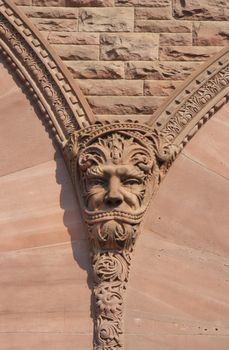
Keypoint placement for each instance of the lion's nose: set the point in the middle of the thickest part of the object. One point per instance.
(113, 200)
(114, 197)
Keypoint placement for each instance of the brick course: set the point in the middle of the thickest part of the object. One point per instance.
(129, 55)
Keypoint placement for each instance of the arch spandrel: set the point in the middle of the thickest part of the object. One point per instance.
(42, 71)
(115, 166)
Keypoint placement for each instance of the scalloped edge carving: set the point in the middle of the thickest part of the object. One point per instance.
(42, 71)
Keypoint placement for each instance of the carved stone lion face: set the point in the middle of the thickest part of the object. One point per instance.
(115, 173)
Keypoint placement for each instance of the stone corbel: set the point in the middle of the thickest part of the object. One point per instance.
(115, 167)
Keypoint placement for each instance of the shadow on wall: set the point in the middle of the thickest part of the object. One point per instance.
(73, 222)
(68, 199)
(72, 214)
(72, 218)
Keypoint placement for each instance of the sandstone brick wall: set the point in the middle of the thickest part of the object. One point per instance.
(129, 55)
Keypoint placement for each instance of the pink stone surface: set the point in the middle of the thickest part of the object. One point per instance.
(191, 208)
(210, 147)
(46, 341)
(47, 280)
(44, 210)
(44, 262)
(24, 141)
(44, 257)
(178, 293)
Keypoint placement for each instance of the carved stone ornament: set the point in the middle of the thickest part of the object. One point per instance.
(115, 167)
(42, 73)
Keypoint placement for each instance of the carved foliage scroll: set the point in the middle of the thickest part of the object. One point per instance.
(195, 103)
(115, 167)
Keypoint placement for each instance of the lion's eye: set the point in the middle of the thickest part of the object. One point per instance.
(97, 182)
(132, 181)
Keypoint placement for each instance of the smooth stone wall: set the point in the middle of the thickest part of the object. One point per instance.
(178, 294)
(24, 141)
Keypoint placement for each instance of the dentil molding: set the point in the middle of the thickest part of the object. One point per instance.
(115, 166)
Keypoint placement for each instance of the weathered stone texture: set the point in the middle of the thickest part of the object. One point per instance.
(72, 3)
(159, 70)
(71, 38)
(187, 53)
(129, 47)
(23, 2)
(107, 87)
(48, 3)
(153, 3)
(160, 87)
(77, 52)
(50, 12)
(214, 10)
(96, 69)
(153, 12)
(169, 26)
(53, 24)
(125, 40)
(92, 3)
(124, 104)
(175, 39)
(106, 20)
(211, 33)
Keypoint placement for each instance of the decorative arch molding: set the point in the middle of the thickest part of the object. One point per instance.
(195, 102)
(43, 73)
(115, 166)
